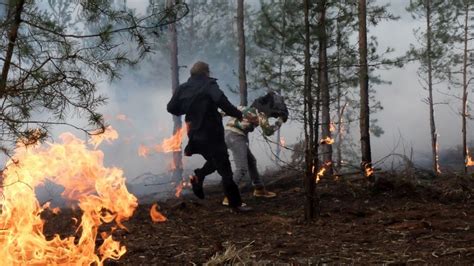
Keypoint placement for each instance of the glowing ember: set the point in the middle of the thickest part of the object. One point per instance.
(108, 135)
(332, 127)
(155, 215)
(327, 141)
(438, 170)
(143, 151)
(99, 192)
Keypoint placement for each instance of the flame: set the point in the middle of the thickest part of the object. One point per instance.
(368, 171)
(332, 127)
(173, 143)
(143, 151)
(328, 140)
(155, 215)
(438, 170)
(179, 188)
(108, 135)
(98, 191)
(322, 170)
(469, 161)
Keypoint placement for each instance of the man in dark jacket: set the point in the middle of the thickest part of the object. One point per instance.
(198, 99)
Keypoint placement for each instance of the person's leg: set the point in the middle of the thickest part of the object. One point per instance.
(220, 158)
(259, 187)
(197, 180)
(253, 171)
(238, 146)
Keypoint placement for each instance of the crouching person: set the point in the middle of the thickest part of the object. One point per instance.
(236, 137)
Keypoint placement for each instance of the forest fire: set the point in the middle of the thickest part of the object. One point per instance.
(469, 161)
(109, 135)
(171, 144)
(327, 141)
(322, 171)
(155, 215)
(99, 192)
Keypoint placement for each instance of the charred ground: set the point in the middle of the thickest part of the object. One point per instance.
(395, 221)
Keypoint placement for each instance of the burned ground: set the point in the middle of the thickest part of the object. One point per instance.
(395, 221)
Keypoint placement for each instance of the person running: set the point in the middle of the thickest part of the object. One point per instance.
(198, 99)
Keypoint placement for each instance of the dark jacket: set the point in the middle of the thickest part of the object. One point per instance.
(198, 99)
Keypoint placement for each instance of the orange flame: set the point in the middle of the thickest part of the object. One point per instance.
(368, 171)
(155, 215)
(179, 188)
(173, 143)
(328, 140)
(322, 170)
(143, 151)
(469, 161)
(100, 193)
(332, 127)
(108, 135)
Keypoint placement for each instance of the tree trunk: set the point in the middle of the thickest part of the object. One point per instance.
(323, 85)
(177, 124)
(464, 93)
(280, 77)
(434, 135)
(241, 37)
(309, 181)
(366, 162)
(16, 8)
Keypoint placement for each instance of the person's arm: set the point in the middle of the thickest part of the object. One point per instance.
(173, 106)
(222, 102)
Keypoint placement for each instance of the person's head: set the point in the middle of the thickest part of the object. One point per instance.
(200, 68)
(272, 104)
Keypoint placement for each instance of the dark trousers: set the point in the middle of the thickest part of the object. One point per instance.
(217, 158)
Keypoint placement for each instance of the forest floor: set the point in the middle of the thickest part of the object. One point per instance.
(398, 220)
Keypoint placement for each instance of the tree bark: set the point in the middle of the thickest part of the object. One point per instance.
(464, 93)
(177, 123)
(280, 76)
(16, 9)
(323, 81)
(434, 135)
(241, 37)
(309, 181)
(364, 91)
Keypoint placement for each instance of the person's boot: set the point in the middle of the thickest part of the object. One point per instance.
(262, 192)
(196, 183)
(225, 202)
(242, 208)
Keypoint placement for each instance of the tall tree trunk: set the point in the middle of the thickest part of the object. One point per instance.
(338, 103)
(434, 135)
(177, 123)
(15, 9)
(309, 181)
(280, 77)
(464, 93)
(241, 37)
(366, 162)
(323, 85)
